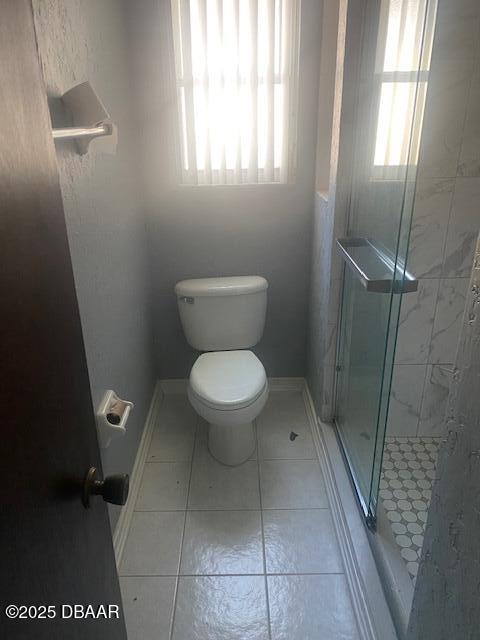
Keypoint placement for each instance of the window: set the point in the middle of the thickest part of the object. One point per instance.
(236, 70)
(405, 27)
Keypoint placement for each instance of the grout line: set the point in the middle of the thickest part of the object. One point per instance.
(220, 510)
(230, 575)
(183, 532)
(167, 461)
(287, 459)
(309, 459)
(264, 554)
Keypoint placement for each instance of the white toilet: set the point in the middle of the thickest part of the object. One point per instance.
(228, 386)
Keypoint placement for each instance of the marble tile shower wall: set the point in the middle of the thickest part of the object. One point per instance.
(325, 286)
(445, 225)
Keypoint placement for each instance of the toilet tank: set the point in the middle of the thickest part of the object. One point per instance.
(220, 314)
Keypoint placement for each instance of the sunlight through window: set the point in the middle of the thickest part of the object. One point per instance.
(402, 73)
(236, 68)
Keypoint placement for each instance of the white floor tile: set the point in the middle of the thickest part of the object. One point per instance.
(292, 484)
(222, 542)
(221, 608)
(164, 486)
(311, 608)
(172, 442)
(153, 544)
(201, 443)
(284, 415)
(216, 486)
(148, 607)
(301, 541)
(223, 536)
(174, 434)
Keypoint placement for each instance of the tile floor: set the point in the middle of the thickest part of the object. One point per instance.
(408, 472)
(243, 553)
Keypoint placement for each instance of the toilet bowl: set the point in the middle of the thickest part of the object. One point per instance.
(224, 318)
(229, 390)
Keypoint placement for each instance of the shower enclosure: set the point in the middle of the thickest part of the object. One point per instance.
(392, 85)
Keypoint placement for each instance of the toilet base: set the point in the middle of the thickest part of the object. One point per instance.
(231, 445)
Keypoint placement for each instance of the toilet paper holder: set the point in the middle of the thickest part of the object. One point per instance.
(112, 416)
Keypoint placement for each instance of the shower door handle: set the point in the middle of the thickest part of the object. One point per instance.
(375, 267)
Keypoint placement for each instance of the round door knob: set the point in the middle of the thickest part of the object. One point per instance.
(113, 489)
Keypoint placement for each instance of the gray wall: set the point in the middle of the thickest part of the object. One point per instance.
(445, 604)
(79, 40)
(220, 231)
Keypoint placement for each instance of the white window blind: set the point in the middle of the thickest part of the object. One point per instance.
(402, 75)
(236, 68)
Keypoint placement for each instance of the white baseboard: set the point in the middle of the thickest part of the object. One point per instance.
(368, 600)
(123, 524)
(286, 384)
(173, 386)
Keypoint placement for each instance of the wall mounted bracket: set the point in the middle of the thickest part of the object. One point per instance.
(89, 116)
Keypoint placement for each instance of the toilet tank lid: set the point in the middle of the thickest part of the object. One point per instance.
(231, 286)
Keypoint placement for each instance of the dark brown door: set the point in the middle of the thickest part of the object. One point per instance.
(53, 551)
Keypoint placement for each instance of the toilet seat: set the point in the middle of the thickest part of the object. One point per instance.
(229, 389)
(227, 380)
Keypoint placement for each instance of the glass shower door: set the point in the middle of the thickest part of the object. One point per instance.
(364, 366)
(391, 94)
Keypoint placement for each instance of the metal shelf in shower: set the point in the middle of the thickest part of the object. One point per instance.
(377, 269)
